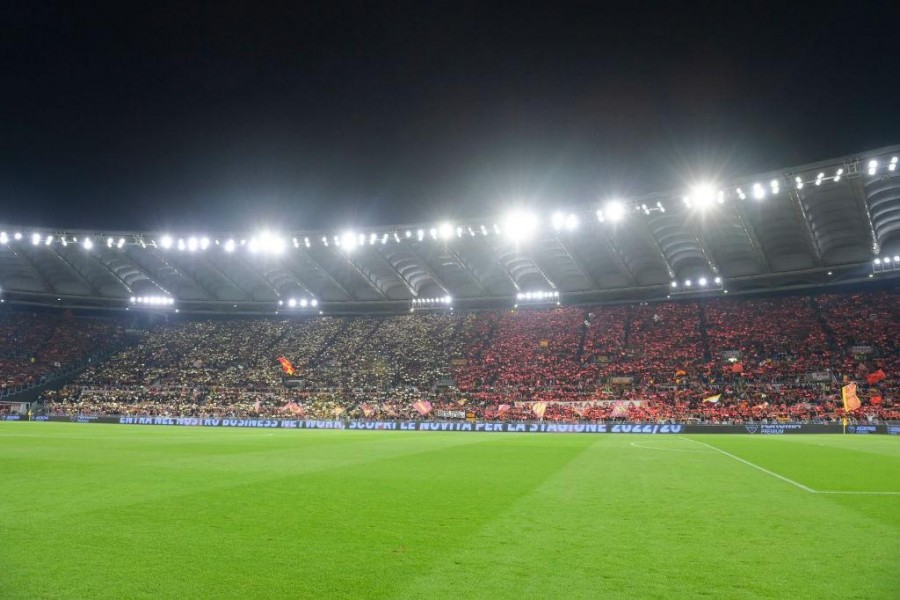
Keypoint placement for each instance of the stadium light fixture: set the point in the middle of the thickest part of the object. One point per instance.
(35, 239)
(799, 183)
(88, 244)
(837, 175)
(702, 282)
(204, 243)
(873, 166)
(3, 238)
(348, 240)
(120, 243)
(819, 178)
(741, 194)
(759, 192)
(166, 242)
(229, 246)
(17, 236)
(703, 195)
(614, 210)
(445, 230)
(49, 240)
(892, 166)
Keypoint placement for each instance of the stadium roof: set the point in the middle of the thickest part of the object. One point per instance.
(832, 221)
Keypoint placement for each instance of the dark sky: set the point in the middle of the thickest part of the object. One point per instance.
(218, 116)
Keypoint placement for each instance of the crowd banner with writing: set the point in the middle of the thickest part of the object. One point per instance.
(526, 427)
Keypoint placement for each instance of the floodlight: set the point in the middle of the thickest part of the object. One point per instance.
(445, 230)
(18, 236)
(35, 238)
(893, 164)
(204, 243)
(88, 244)
(718, 280)
(314, 302)
(873, 166)
(558, 220)
(687, 283)
(292, 302)
(759, 192)
(3, 238)
(420, 235)
(614, 210)
(837, 175)
(229, 246)
(192, 244)
(702, 281)
(49, 240)
(674, 284)
(303, 302)
(877, 261)
(348, 240)
(166, 241)
(121, 242)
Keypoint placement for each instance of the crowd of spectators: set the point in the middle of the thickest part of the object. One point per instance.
(34, 348)
(783, 357)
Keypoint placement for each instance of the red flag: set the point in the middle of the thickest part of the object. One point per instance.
(539, 408)
(367, 409)
(423, 406)
(286, 365)
(737, 368)
(503, 409)
(620, 409)
(876, 400)
(875, 376)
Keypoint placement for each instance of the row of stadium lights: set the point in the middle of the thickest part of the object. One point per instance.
(518, 225)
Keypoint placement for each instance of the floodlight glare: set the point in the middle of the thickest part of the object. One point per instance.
(18, 236)
(204, 243)
(702, 196)
(520, 225)
(88, 244)
(873, 165)
(292, 302)
(35, 238)
(718, 280)
(348, 240)
(166, 242)
(229, 246)
(192, 244)
(702, 281)
(303, 302)
(614, 210)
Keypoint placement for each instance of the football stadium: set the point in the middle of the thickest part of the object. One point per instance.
(684, 394)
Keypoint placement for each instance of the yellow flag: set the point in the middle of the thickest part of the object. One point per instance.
(848, 394)
(713, 399)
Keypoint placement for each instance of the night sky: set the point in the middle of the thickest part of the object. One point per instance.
(216, 116)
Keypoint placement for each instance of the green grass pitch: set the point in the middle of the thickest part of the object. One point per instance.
(109, 511)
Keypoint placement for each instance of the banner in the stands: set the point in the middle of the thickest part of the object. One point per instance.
(474, 426)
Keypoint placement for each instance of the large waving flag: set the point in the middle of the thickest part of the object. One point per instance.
(503, 409)
(286, 365)
(367, 409)
(423, 406)
(851, 400)
(539, 408)
(875, 376)
(293, 408)
(713, 399)
(620, 409)
(338, 411)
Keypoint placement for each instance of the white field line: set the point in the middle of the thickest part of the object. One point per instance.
(639, 445)
(861, 493)
(791, 481)
(755, 466)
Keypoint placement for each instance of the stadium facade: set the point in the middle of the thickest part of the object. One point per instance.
(826, 223)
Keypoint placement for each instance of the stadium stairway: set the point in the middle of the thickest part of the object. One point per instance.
(317, 359)
(704, 336)
(824, 324)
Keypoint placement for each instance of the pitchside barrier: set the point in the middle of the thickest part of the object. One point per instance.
(628, 428)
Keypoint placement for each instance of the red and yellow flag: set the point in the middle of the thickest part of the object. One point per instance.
(422, 406)
(851, 400)
(539, 408)
(286, 365)
(367, 409)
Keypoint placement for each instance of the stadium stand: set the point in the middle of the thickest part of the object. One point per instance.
(38, 347)
(775, 358)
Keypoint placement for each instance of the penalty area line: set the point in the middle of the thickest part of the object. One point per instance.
(755, 466)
